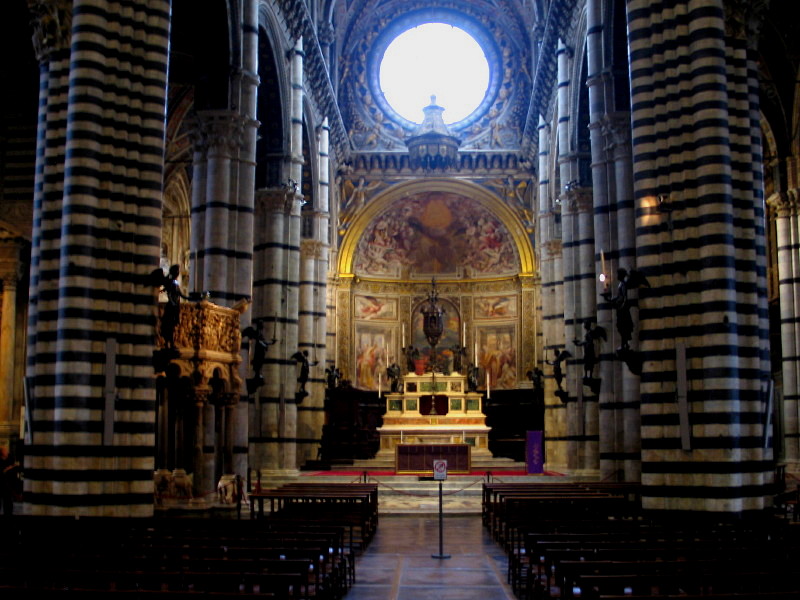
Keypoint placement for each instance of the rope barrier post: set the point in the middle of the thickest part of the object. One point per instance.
(440, 473)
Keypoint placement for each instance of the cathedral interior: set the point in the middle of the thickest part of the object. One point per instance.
(614, 226)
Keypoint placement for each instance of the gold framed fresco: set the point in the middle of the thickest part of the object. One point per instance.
(496, 349)
(373, 352)
(374, 308)
(495, 307)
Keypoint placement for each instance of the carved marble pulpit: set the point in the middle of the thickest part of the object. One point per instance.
(198, 388)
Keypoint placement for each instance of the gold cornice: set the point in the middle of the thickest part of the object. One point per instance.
(386, 198)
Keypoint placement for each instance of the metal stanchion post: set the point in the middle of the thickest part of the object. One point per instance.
(441, 528)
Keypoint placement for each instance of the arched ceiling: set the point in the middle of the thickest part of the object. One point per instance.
(363, 29)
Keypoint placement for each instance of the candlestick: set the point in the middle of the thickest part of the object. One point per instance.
(603, 276)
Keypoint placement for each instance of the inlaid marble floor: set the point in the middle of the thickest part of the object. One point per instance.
(398, 563)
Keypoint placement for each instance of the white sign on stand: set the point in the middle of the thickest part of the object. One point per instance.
(439, 470)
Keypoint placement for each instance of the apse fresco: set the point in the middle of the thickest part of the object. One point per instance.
(435, 234)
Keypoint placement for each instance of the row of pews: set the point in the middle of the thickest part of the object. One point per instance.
(303, 549)
(592, 540)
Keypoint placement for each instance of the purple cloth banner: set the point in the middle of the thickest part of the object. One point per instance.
(534, 454)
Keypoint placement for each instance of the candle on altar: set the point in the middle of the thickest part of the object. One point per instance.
(379, 385)
(476, 353)
(463, 334)
(404, 335)
(488, 390)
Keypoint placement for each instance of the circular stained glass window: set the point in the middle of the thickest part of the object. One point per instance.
(434, 59)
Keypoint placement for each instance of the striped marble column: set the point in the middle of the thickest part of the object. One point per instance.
(310, 413)
(313, 307)
(552, 286)
(216, 206)
(788, 233)
(700, 241)
(246, 83)
(275, 296)
(97, 236)
(9, 419)
(614, 247)
(602, 197)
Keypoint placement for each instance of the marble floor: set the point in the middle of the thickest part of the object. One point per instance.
(398, 564)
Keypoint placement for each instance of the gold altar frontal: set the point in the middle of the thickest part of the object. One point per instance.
(459, 418)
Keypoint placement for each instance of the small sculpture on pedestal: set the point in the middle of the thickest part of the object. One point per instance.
(591, 339)
(472, 378)
(412, 355)
(558, 374)
(332, 376)
(393, 376)
(459, 352)
(302, 378)
(260, 346)
(627, 281)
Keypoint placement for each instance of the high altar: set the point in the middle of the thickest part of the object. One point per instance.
(458, 417)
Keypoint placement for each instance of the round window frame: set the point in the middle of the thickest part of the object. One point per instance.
(422, 17)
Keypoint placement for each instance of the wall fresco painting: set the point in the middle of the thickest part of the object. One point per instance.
(497, 355)
(436, 234)
(375, 308)
(493, 307)
(373, 351)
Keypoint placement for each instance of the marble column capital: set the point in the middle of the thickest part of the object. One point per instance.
(785, 204)
(52, 26)
(283, 200)
(218, 131)
(577, 201)
(553, 248)
(312, 249)
(744, 19)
